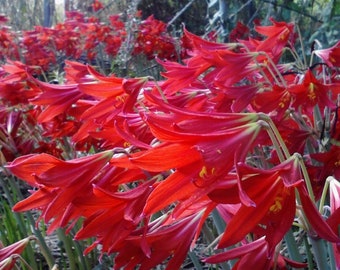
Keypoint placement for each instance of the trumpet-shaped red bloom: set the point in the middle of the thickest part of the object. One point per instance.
(122, 210)
(311, 92)
(15, 248)
(276, 38)
(330, 56)
(330, 161)
(150, 248)
(56, 98)
(59, 184)
(274, 206)
(254, 254)
(10, 254)
(198, 146)
(273, 196)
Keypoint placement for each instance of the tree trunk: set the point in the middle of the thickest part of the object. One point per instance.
(48, 13)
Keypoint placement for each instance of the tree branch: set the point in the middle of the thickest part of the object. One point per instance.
(179, 13)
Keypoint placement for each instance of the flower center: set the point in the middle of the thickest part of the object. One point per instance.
(277, 206)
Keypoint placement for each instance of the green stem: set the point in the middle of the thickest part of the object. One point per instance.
(301, 42)
(293, 250)
(320, 253)
(195, 260)
(274, 134)
(283, 82)
(306, 176)
(309, 254)
(43, 246)
(68, 249)
(9, 197)
(83, 260)
(331, 256)
(208, 234)
(324, 193)
(218, 222)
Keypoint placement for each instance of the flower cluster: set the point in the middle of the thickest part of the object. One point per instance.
(236, 131)
(86, 38)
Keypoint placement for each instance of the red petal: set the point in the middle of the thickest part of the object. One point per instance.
(319, 225)
(237, 252)
(167, 156)
(176, 187)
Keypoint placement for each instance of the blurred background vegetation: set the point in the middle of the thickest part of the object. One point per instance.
(316, 18)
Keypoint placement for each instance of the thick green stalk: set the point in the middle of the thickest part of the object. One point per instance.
(276, 138)
(68, 248)
(331, 256)
(305, 176)
(320, 253)
(293, 250)
(309, 254)
(79, 251)
(324, 194)
(195, 261)
(218, 221)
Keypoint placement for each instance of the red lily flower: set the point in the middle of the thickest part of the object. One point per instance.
(330, 56)
(222, 59)
(312, 92)
(97, 5)
(76, 72)
(277, 37)
(318, 226)
(254, 254)
(17, 71)
(273, 196)
(60, 183)
(273, 210)
(180, 76)
(12, 141)
(14, 88)
(275, 101)
(15, 248)
(150, 248)
(240, 31)
(330, 163)
(207, 55)
(56, 98)
(233, 98)
(198, 146)
(10, 254)
(122, 210)
(16, 93)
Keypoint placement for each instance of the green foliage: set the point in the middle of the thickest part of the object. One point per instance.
(15, 226)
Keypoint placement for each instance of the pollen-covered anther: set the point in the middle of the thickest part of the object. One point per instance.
(126, 144)
(205, 172)
(311, 92)
(277, 206)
